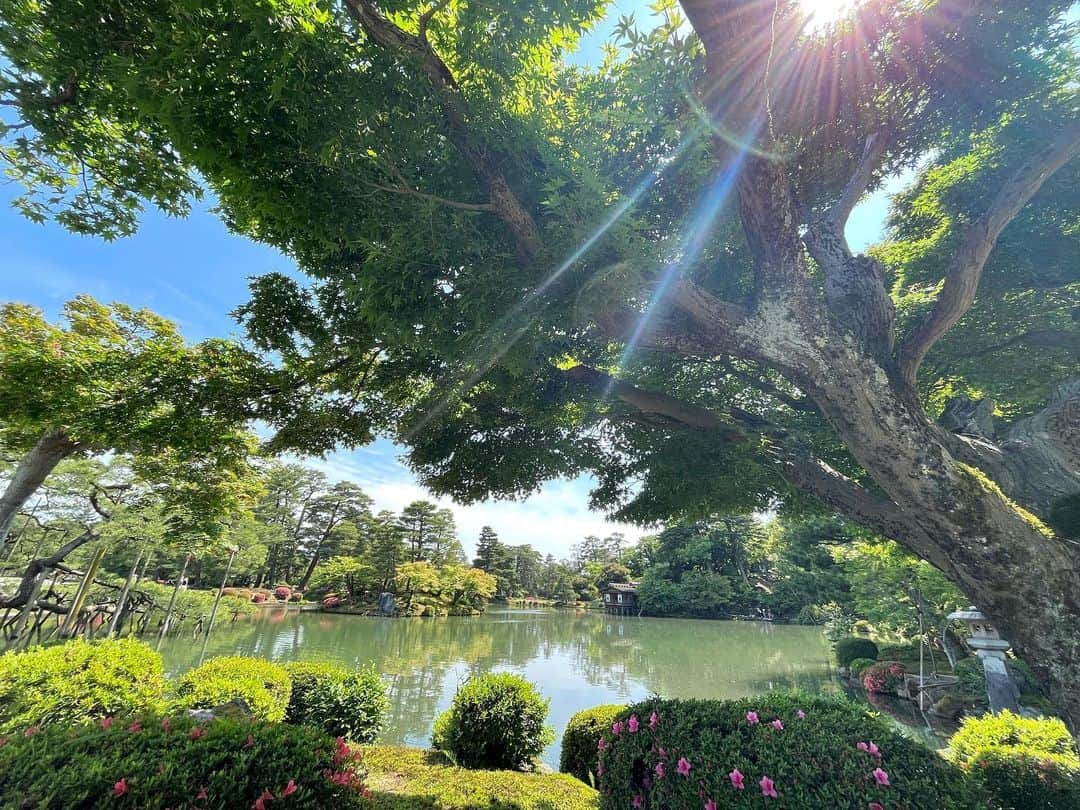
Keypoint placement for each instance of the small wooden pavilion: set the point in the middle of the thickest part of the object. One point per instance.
(621, 598)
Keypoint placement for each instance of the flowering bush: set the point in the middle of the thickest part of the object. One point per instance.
(282, 592)
(849, 648)
(578, 755)
(264, 686)
(174, 762)
(884, 676)
(353, 705)
(331, 601)
(296, 596)
(258, 598)
(781, 750)
(78, 681)
(1020, 762)
(496, 720)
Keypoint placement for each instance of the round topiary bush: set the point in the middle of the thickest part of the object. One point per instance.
(1019, 762)
(496, 720)
(849, 648)
(860, 665)
(780, 750)
(154, 764)
(343, 703)
(884, 677)
(79, 681)
(264, 686)
(579, 754)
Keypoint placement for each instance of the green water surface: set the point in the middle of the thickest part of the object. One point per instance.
(578, 660)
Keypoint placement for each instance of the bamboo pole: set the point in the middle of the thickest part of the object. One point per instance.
(217, 601)
(114, 624)
(28, 608)
(172, 601)
(68, 628)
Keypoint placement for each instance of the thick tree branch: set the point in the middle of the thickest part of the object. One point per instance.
(504, 203)
(978, 240)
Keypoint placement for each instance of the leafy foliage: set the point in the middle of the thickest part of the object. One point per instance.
(353, 705)
(852, 647)
(264, 686)
(79, 682)
(579, 754)
(883, 677)
(690, 754)
(159, 763)
(494, 721)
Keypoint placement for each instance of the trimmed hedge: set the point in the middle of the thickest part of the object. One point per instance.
(860, 665)
(579, 755)
(1019, 762)
(263, 685)
(401, 778)
(496, 720)
(353, 705)
(693, 752)
(79, 681)
(849, 648)
(177, 763)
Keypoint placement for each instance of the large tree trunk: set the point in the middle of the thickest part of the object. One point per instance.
(31, 472)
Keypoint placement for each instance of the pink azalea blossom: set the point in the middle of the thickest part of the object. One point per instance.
(777, 724)
(617, 727)
(106, 723)
(262, 801)
(638, 801)
(633, 724)
(710, 805)
(30, 732)
(768, 788)
(654, 721)
(736, 779)
(874, 750)
(881, 777)
(197, 732)
(683, 767)
(661, 752)
(875, 806)
(862, 746)
(800, 714)
(599, 770)
(752, 718)
(202, 795)
(601, 744)
(289, 790)
(659, 770)
(120, 788)
(135, 727)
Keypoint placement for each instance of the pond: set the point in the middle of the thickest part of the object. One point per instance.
(578, 660)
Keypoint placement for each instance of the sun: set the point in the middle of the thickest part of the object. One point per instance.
(825, 13)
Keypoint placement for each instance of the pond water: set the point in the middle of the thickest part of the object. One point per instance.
(578, 660)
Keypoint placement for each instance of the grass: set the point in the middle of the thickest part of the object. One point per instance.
(402, 778)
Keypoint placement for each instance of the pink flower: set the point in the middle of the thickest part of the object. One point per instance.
(881, 777)
(752, 718)
(710, 805)
(661, 752)
(289, 790)
(30, 732)
(638, 801)
(341, 751)
(341, 778)
(633, 724)
(197, 731)
(601, 744)
(874, 750)
(654, 721)
(106, 723)
(875, 806)
(262, 801)
(800, 714)
(683, 767)
(120, 788)
(249, 743)
(768, 788)
(599, 770)
(135, 727)
(659, 770)
(862, 746)
(777, 724)
(736, 779)
(202, 795)
(617, 727)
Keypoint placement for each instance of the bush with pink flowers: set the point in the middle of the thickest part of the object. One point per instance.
(282, 592)
(777, 751)
(158, 763)
(884, 677)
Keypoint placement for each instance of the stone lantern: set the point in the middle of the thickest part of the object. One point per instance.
(990, 647)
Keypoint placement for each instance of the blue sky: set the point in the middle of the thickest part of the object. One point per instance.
(195, 272)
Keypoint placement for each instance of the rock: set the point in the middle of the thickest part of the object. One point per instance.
(235, 709)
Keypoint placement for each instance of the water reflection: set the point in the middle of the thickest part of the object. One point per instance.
(578, 659)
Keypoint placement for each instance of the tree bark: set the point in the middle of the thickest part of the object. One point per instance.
(31, 472)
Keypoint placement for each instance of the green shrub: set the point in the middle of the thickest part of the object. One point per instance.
(814, 759)
(860, 665)
(264, 686)
(850, 648)
(496, 720)
(412, 779)
(161, 764)
(579, 754)
(353, 705)
(79, 681)
(971, 678)
(898, 652)
(1020, 762)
